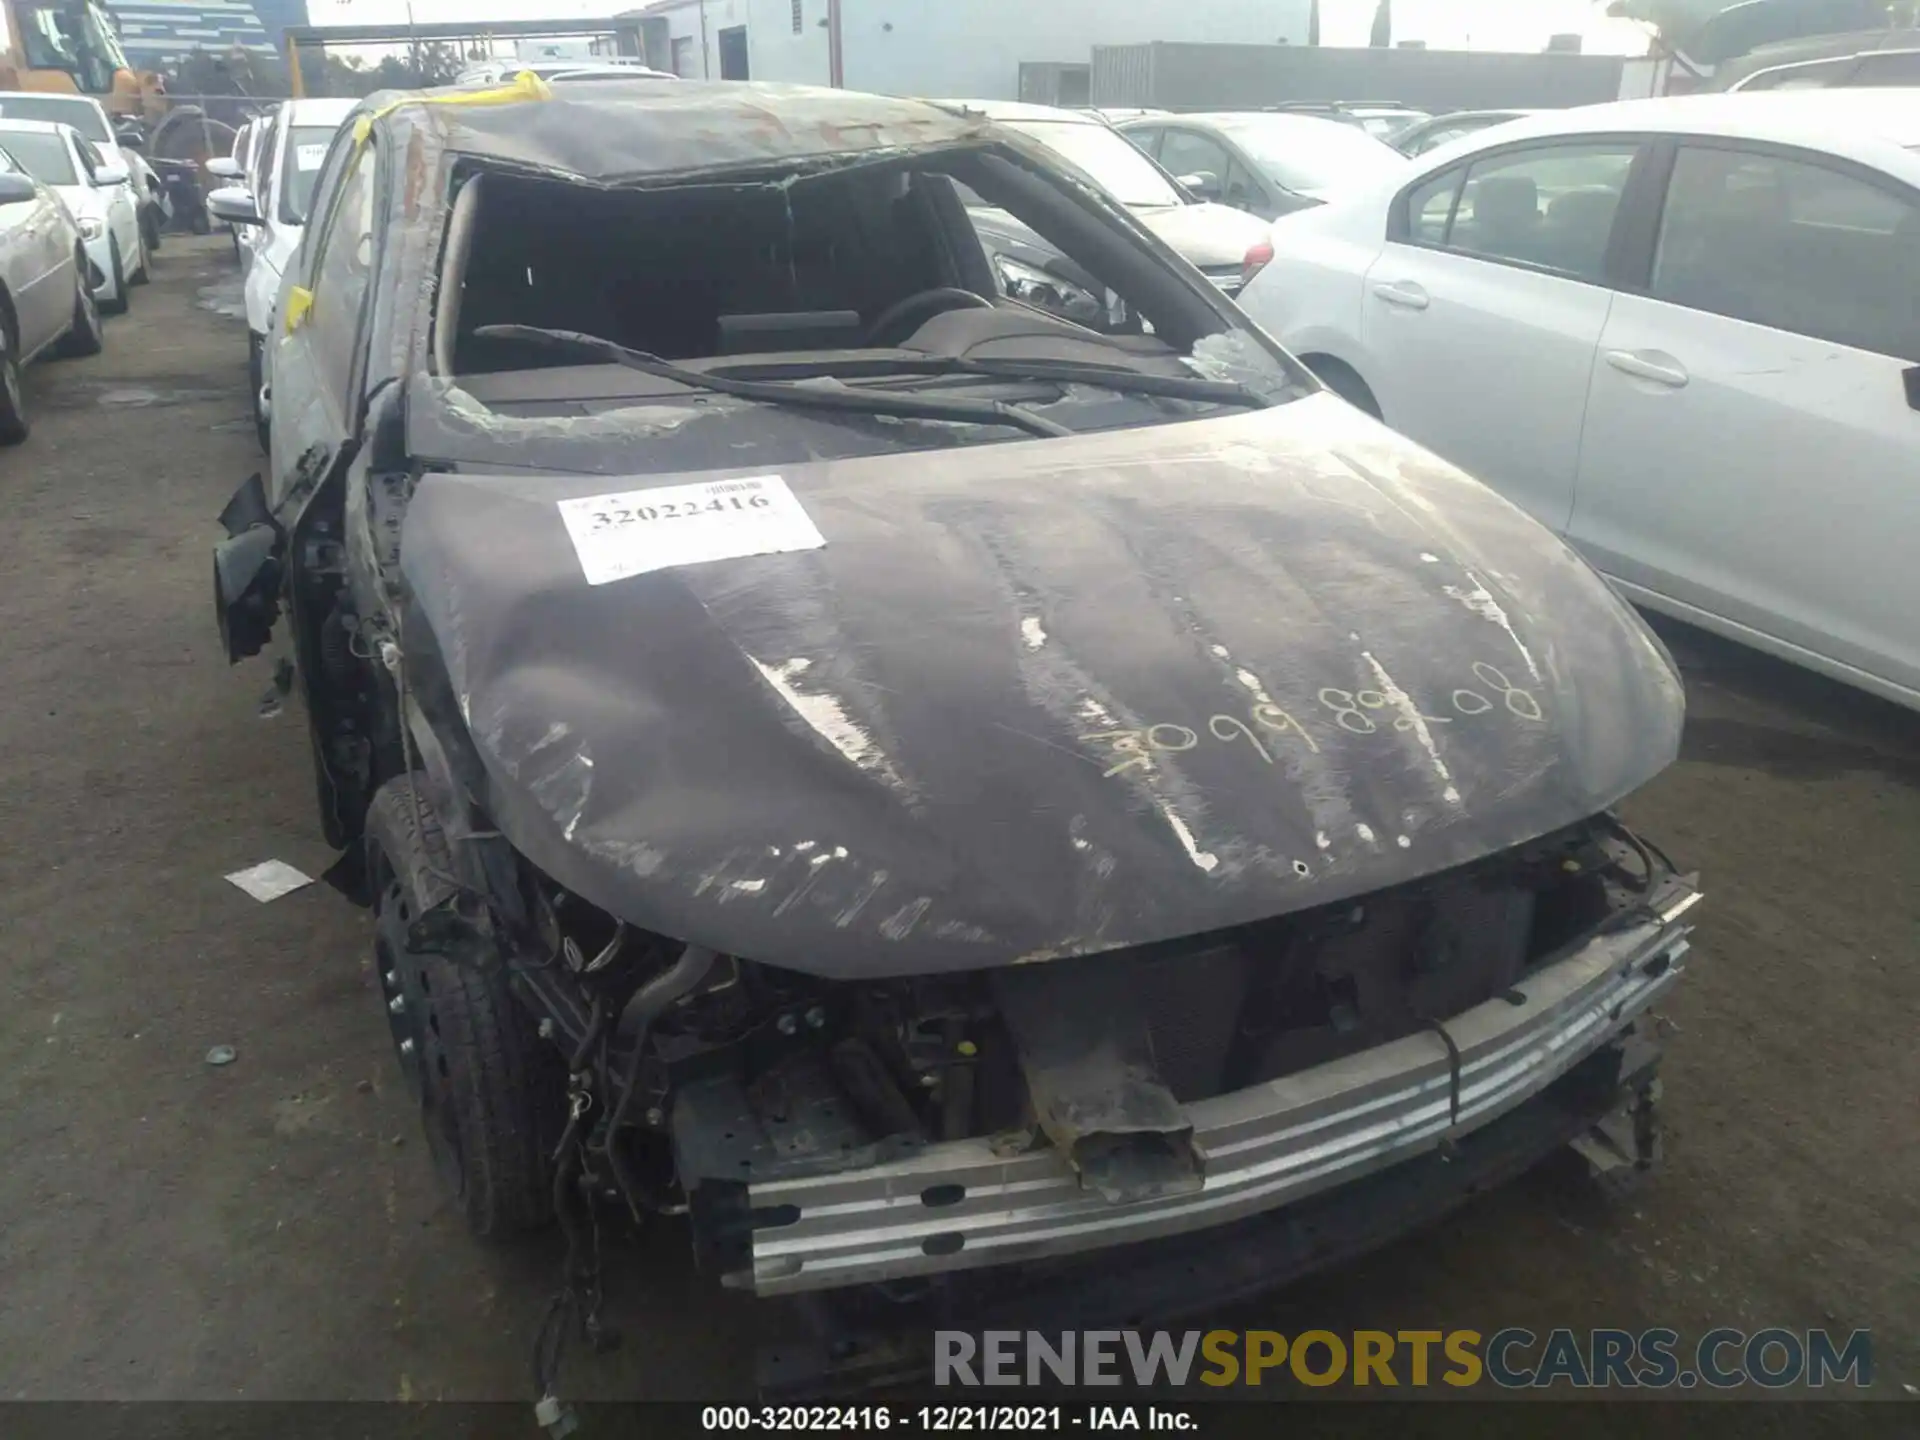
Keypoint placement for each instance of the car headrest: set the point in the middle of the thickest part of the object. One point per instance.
(1506, 202)
(1584, 209)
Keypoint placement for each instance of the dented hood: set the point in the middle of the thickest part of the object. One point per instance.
(1039, 698)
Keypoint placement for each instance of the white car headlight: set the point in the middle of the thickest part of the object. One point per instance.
(90, 228)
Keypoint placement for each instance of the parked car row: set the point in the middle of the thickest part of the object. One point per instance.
(72, 243)
(98, 194)
(1682, 333)
(89, 117)
(276, 164)
(917, 767)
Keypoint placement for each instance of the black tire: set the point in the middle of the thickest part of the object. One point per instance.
(144, 271)
(13, 405)
(87, 336)
(492, 1094)
(150, 228)
(117, 272)
(200, 223)
(1343, 380)
(256, 376)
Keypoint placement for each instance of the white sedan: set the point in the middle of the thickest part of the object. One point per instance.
(1685, 333)
(45, 298)
(275, 199)
(95, 189)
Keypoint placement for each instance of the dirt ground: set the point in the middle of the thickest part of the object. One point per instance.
(269, 1229)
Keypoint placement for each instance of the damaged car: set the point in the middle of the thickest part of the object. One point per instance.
(965, 810)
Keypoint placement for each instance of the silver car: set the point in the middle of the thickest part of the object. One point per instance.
(45, 287)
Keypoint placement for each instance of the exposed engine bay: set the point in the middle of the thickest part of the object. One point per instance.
(698, 1075)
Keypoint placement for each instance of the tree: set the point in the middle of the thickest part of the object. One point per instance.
(1382, 37)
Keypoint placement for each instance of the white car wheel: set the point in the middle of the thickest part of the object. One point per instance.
(114, 302)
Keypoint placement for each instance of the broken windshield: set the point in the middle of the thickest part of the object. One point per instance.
(868, 295)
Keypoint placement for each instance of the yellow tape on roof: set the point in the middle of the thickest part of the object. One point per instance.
(524, 86)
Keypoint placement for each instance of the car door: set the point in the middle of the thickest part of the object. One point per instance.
(1752, 445)
(316, 357)
(1481, 315)
(38, 259)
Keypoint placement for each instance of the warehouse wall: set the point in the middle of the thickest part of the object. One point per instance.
(1203, 77)
(684, 33)
(973, 48)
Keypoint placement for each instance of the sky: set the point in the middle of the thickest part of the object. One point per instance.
(1443, 24)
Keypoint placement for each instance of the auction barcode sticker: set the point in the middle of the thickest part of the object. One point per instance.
(309, 157)
(643, 530)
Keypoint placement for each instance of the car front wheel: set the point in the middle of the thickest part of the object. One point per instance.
(116, 303)
(256, 382)
(13, 409)
(491, 1092)
(85, 336)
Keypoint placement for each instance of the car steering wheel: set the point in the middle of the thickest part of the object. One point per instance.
(919, 308)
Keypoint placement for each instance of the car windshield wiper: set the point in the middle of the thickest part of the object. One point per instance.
(776, 392)
(1059, 372)
(1127, 382)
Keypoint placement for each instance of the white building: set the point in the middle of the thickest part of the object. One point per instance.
(969, 49)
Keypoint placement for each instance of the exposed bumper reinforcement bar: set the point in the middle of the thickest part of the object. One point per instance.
(960, 1205)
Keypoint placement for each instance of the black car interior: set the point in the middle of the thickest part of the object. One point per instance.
(1502, 215)
(861, 257)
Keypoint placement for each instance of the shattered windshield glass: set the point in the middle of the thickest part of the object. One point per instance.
(956, 297)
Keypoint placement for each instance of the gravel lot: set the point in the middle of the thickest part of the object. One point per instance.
(269, 1229)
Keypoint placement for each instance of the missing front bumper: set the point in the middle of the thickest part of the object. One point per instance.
(963, 1205)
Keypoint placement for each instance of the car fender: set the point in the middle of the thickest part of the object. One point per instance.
(1332, 341)
(260, 291)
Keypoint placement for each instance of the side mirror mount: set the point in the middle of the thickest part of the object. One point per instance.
(235, 205)
(246, 572)
(16, 190)
(105, 177)
(1203, 183)
(224, 167)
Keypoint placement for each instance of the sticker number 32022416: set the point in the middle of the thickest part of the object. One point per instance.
(643, 530)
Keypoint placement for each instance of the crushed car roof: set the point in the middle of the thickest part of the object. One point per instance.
(615, 130)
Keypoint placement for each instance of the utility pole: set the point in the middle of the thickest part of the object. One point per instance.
(836, 65)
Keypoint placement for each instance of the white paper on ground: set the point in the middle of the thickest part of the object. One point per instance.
(643, 530)
(269, 880)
